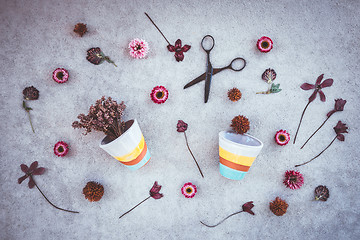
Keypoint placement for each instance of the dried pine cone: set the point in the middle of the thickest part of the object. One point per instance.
(321, 193)
(278, 206)
(80, 29)
(93, 191)
(234, 94)
(31, 93)
(240, 124)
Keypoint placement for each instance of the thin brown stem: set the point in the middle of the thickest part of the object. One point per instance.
(316, 155)
(157, 28)
(302, 115)
(49, 200)
(134, 207)
(314, 132)
(28, 112)
(187, 144)
(211, 226)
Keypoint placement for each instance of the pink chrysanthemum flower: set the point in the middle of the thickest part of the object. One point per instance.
(159, 94)
(264, 44)
(293, 179)
(60, 75)
(138, 48)
(61, 149)
(282, 137)
(189, 190)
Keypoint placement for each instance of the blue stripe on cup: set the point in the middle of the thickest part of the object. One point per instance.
(231, 173)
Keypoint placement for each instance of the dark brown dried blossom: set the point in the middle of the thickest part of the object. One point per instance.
(104, 116)
(31, 93)
(278, 206)
(321, 193)
(80, 29)
(93, 191)
(234, 94)
(240, 124)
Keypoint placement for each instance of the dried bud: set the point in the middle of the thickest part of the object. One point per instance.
(31, 93)
(269, 75)
(321, 193)
(181, 126)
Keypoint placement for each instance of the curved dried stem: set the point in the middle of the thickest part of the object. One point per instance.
(302, 115)
(211, 226)
(187, 144)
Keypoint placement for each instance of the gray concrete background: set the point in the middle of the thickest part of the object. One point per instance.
(310, 38)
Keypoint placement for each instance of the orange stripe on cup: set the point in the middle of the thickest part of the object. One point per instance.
(234, 165)
(138, 159)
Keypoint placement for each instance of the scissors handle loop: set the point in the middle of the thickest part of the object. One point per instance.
(212, 43)
(236, 68)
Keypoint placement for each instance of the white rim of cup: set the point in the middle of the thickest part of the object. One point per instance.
(222, 136)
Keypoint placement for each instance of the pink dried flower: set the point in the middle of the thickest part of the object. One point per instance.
(181, 126)
(154, 193)
(61, 149)
(189, 190)
(293, 179)
(264, 44)
(282, 137)
(60, 75)
(179, 50)
(138, 48)
(159, 94)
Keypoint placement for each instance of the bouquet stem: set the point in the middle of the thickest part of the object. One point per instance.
(157, 28)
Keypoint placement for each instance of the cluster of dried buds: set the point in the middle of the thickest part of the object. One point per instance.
(104, 116)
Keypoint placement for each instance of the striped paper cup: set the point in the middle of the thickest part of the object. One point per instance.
(130, 148)
(237, 153)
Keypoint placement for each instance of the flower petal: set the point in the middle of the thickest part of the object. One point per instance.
(33, 166)
(31, 183)
(340, 137)
(171, 48)
(186, 48)
(157, 195)
(327, 83)
(20, 180)
(39, 171)
(307, 86)
(178, 43)
(24, 168)
(322, 96)
(313, 96)
(179, 56)
(318, 80)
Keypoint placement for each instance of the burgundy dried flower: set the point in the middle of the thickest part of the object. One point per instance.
(154, 193)
(269, 75)
(80, 29)
(339, 106)
(293, 179)
(179, 51)
(93, 191)
(278, 206)
(318, 86)
(240, 124)
(234, 94)
(182, 127)
(96, 56)
(246, 208)
(339, 129)
(31, 93)
(321, 193)
(29, 173)
(105, 116)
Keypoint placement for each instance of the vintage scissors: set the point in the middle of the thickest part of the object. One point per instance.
(210, 71)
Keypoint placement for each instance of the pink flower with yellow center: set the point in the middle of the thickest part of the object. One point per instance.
(264, 44)
(138, 48)
(61, 149)
(159, 94)
(60, 75)
(282, 137)
(189, 190)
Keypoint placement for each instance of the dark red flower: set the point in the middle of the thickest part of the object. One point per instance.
(29, 171)
(339, 129)
(179, 51)
(181, 126)
(96, 56)
(318, 86)
(247, 207)
(31, 93)
(339, 106)
(154, 191)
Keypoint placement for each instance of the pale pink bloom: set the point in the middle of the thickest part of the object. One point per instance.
(138, 48)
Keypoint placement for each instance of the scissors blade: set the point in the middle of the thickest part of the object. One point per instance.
(209, 74)
(196, 80)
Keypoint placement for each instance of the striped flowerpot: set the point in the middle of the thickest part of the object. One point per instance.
(130, 148)
(237, 153)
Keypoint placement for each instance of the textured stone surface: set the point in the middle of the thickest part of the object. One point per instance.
(310, 38)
